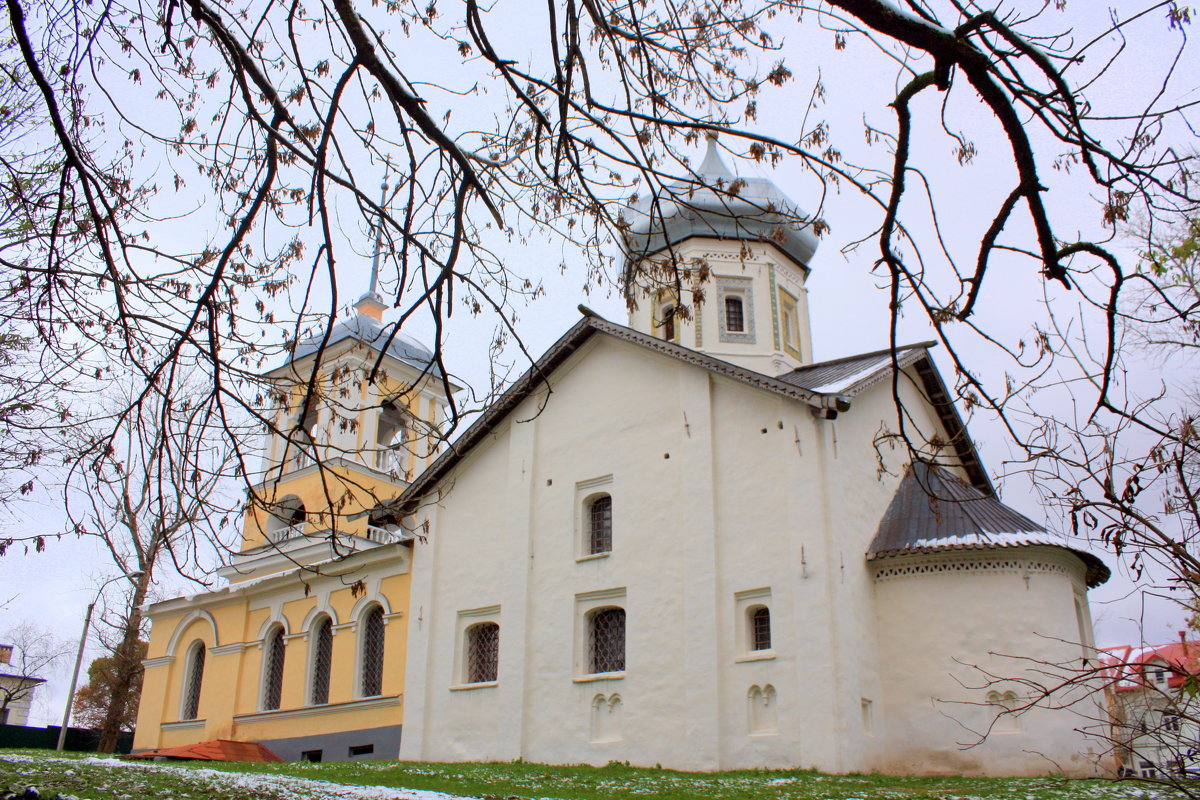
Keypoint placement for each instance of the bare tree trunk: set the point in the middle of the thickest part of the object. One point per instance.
(127, 666)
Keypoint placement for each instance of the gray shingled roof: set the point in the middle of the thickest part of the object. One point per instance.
(933, 511)
(852, 374)
(726, 207)
(375, 334)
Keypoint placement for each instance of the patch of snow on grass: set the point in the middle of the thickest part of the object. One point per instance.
(282, 785)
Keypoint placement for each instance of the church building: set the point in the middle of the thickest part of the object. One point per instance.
(678, 542)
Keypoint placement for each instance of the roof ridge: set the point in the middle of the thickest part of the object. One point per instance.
(843, 359)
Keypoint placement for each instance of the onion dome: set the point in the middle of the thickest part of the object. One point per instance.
(727, 207)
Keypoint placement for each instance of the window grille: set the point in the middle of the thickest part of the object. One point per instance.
(372, 653)
(195, 676)
(322, 661)
(600, 525)
(483, 652)
(760, 628)
(735, 319)
(273, 687)
(606, 650)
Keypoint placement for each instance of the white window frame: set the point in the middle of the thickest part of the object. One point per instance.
(744, 604)
(586, 492)
(743, 290)
(265, 664)
(360, 624)
(467, 619)
(310, 674)
(189, 664)
(586, 604)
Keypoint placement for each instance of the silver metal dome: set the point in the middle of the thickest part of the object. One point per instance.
(755, 209)
(373, 333)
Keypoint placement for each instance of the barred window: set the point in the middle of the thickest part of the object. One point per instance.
(193, 679)
(483, 652)
(735, 318)
(371, 634)
(273, 673)
(600, 525)
(322, 644)
(760, 628)
(606, 640)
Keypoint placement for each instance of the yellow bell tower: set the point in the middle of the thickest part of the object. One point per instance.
(304, 651)
(339, 445)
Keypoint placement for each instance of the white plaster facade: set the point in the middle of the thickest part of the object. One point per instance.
(721, 492)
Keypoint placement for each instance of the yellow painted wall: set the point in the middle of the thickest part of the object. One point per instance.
(334, 498)
(233, 679)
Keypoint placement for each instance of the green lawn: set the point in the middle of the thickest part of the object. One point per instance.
(80, 776)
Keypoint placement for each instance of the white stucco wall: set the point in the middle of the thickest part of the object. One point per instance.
(724, 495)
(1020, 633)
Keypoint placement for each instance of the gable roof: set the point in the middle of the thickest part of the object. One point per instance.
(851, 374)
(215, 750)
(827, 401)
(1128, 665)
(933, 511)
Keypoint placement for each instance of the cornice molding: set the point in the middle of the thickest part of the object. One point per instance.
(310, 711)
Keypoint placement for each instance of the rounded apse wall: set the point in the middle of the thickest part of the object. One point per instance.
(965, 634)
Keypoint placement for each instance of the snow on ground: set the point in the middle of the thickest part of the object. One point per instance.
(277, 785)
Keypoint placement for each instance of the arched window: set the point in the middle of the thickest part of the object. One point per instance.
(666, 323)
(371, 641)
(390, 436)
(760, 628)
(273, 669)
(483, 652)
(606, 640)
(302, 437)
(599, 515)
(735, 316)
(287, 519)
(193, 678)
(322, 661)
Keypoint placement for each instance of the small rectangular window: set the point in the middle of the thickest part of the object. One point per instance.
(600, 525)
(606, 644)
(760, 628)
(361, 750)
(735, 318)
(483, 652)
(311, 755)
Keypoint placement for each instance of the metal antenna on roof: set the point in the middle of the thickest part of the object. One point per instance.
(378, 237)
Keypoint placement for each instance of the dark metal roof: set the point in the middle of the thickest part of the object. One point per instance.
(852, 374)
(933, 511)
